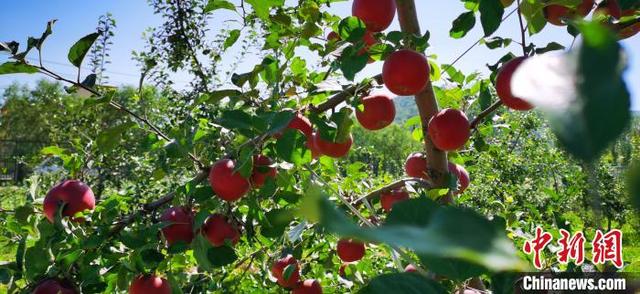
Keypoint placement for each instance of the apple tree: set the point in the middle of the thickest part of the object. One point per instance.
(243, 183)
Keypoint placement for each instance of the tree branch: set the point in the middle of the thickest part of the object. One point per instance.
(119, 107)
(522, 32)
(336, 99)
(395, 185)
(482, 115)
(152, 206)
(426, 102)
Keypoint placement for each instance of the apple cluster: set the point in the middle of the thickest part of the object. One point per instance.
(607, 12)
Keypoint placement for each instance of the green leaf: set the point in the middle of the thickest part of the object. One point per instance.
(351, 29)
(550, 47)
(231, 39)
(14, 67)
(263, 7)
(213, 5)
(110, 138)
(221, 256)
(79, 50)
(48, 31)
(462, 25)
(534, 14)
(291, 147)
(352, 62)
(277, 220)
(448, 232)
(402, 283)
(491, 12)
(201, 246)
(601, 111)
(236, 120)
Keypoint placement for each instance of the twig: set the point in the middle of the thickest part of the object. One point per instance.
(522, 31)
(152, 206)
(336, 99)
(395, 185)
(482, 115)
(119, 107)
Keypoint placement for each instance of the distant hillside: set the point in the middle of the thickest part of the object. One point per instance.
(405, 108)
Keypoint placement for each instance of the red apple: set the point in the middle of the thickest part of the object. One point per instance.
(585, 7)
(55, 286)
(76, 196)
(449, 129)
(503, 85)
(379, 112)
(218, 230)
(609, 8)
(350, 250)
(405, 72)
(278, 270)
(369, 40)
(181, 228)
(555, 13)
(463, 176)
(332, 149)
(149, 284)
(416, 165)
(226, 183)
(315, 152)
(342, 270)
(376, 14)
(389, 198)
(410, 268)
(333, 37)
(301, 123)
(309, 286)
(262, 170)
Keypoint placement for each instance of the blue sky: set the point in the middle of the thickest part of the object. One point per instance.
(76, 18)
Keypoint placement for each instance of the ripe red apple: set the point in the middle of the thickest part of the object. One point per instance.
(449, 129)
(631, 30)
(609, 8)
(585, 7)
(332, 149)
(315, 152)
(463, 176)
(278, 270)
(333, 37)
(301, 123)
(555, 13)
(76, 196)
(350, 250)
(148, 284)
(376, 14)
(503, 85)
(309, 286)
(389, 198)
(226, 183)
(181, 228)
(416, 165)
(369, 40)
(379, 112)
(410, 268)
(405, 72)
(262, 170)
(218, 230)
(55, 286)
